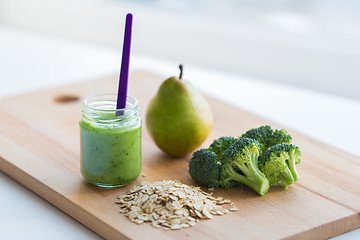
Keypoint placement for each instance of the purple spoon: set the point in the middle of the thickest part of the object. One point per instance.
(124, 71)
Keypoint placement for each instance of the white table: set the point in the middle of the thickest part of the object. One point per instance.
(30, 61)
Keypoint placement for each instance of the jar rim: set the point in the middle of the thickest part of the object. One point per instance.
(133, 101)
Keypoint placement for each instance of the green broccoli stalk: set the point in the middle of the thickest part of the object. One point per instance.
(278, 164)
(239, 164)
(267, 137)
(221, 144)
(204, 168)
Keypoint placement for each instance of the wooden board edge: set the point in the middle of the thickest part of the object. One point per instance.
(332, 229)
(59, 201)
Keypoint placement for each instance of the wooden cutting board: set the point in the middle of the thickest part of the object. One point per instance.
(39, 147)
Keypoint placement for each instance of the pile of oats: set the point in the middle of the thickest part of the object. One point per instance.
(170, 204)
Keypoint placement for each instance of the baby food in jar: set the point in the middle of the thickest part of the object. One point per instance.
(110, 141)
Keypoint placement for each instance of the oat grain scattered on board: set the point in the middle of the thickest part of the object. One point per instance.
(170, 204)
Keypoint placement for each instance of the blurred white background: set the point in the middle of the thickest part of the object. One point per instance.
(308, 43)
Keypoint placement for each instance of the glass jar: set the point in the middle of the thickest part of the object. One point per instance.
(110, 141)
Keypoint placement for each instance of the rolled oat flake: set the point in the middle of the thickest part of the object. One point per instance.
(170, 204)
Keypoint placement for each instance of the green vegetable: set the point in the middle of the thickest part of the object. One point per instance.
(239, 164)
(267, 137)
(221, 144)
(278, 164)
(280, 136)
(231, 161)
(204, 168)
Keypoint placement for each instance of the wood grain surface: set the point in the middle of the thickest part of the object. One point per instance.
(39, 147)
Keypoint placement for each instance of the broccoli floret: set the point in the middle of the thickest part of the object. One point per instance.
(278, 164)
(204, 168)
(267, 137)
(280, 136)
(239, 164)
(261, 134)
(221, 144)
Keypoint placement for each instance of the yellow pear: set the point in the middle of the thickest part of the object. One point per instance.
(178, 118)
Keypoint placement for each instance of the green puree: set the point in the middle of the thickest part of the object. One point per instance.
(110, 156)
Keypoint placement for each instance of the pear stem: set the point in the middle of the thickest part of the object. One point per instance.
(181, 71)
